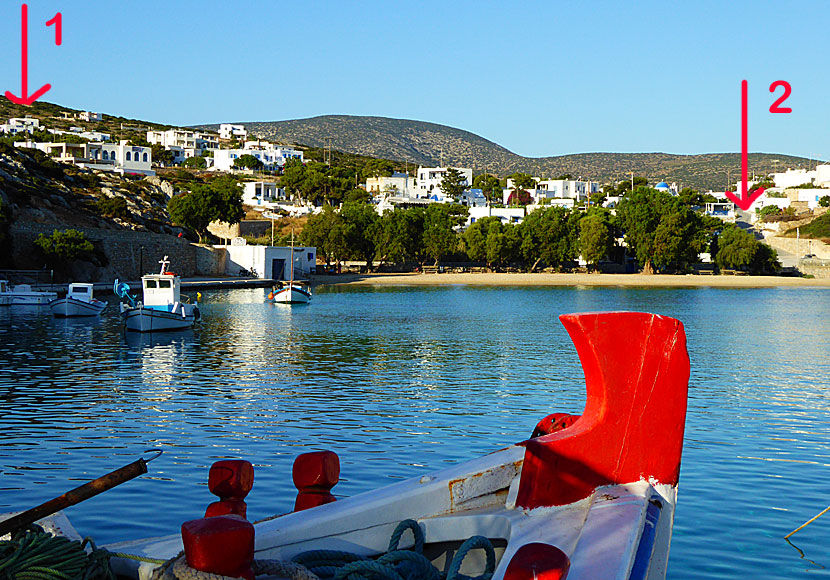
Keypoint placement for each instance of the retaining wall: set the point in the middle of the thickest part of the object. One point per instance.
(130, 253)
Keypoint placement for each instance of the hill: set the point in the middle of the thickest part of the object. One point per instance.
(425, 143)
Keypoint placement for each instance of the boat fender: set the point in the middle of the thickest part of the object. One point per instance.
(538, 561)
(271, 295)
(221, 545)
(553, 423)
(314, 475)
(231, 481)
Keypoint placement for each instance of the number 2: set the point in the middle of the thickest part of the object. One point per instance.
(775, 107)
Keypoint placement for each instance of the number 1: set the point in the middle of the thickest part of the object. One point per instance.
(58, 28)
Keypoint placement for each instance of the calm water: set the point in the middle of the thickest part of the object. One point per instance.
(399, 381)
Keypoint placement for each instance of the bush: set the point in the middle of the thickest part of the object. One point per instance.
(195, 162)
(824, 201)
(62, 248)
(113, 207)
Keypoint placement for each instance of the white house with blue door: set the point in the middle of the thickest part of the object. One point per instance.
(269, 262)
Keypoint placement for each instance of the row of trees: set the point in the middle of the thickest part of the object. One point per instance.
(660, 231)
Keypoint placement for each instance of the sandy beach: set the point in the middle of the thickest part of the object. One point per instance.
(544, 279)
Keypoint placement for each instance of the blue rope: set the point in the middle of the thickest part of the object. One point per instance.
(396, 564)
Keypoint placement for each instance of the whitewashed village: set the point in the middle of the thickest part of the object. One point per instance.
(258, 164)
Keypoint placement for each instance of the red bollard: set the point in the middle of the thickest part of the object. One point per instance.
(314, 475)
(221, 545)
(231, 480)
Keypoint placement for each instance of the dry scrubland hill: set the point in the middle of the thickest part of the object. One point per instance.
(423, 143)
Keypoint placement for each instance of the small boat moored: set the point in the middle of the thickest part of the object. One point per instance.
(78, 302)
(23, 295)
(293, 291)
(587, 497)
(161, 308)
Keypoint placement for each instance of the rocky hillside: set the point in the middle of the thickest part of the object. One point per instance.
(428, 143)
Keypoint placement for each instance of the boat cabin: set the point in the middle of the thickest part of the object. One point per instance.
(80, 291)
(161, 291)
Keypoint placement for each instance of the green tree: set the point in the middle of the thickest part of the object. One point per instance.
(546, 237)
(595, 237)
(453, 183)
(490, 185)
(195, 162)
(439, 239)
(219, 200)
(248, 161)
(63, 247)
(824, 201)
(161, 156)
(521, 183)
(400, 235)
(360, 223)
(738, 249)
(474, 239)
(659, 230)
(327, 232)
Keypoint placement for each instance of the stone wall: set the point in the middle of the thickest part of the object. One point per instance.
(255, 228)
(129, 252)
(800, 247)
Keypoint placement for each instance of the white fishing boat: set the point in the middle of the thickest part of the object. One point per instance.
(78, 302)
(23, 295)
(161, 308)
(292, 291)
(587, 497)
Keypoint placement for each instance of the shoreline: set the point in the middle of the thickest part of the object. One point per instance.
(564, 280)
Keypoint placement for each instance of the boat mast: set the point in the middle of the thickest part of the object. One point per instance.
(291, 270)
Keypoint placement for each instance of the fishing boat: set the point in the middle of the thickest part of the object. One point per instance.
(23, 295)
(78, 302)
(293, 291)
(587, 497)
(162, 307)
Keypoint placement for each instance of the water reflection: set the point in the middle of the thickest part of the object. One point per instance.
(403, 380)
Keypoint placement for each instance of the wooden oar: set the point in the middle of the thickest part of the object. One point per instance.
(810, 521)
(76, 495)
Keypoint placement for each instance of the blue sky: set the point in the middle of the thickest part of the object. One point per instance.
(540, 78)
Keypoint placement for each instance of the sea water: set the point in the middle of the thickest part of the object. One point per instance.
(400, 381)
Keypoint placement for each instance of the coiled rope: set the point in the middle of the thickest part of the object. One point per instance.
(395, 564)
(37, 555)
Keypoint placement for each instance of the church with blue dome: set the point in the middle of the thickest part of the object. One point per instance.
(663, 186)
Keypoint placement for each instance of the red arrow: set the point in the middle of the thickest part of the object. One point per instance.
(746, 198)
(25, 98)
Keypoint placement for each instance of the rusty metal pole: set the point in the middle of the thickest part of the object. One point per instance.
(76, 495)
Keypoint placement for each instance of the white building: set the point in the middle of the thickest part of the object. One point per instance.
(473, 198)
(557, 189)
(192, 143)
(396, 185)
(118, 158)
(264, 194)
(512, 215)
(91, 135)
(270, 262)
(271, 156)
(230, 131)
(20, 125)
(793, 178)
(429, 181)
(89, 116)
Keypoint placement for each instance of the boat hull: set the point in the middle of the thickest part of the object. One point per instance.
(150, 320)
(31, 299)
(69, 307)
(292, 295)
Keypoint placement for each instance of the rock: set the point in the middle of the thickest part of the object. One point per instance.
(82, 271)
